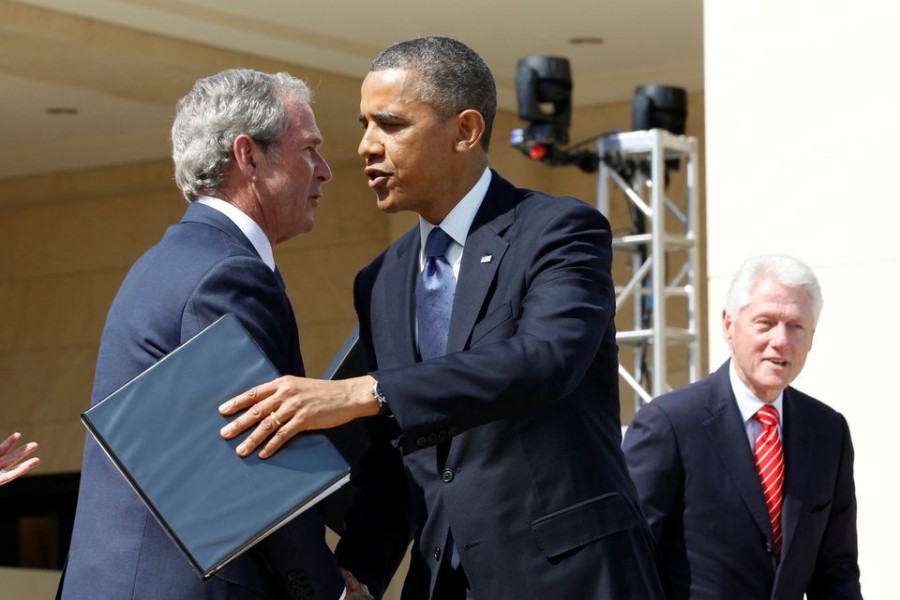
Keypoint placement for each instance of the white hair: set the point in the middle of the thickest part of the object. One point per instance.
(781, 268)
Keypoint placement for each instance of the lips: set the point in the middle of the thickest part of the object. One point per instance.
(377, 177)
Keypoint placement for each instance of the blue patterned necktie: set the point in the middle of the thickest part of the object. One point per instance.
(434, 296)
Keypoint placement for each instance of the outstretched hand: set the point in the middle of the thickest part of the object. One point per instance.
(284, 407)
(9, 470)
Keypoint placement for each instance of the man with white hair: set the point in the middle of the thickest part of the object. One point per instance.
(746, 482)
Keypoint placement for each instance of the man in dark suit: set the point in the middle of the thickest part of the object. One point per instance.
(245, 147)
(509, 431)
(726, 527)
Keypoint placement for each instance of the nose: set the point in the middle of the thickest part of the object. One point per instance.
(370, 145)
(322, 170)
(779, 336)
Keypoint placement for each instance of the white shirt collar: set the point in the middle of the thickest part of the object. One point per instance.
(248, 227)
(458, 222)
(747, 402)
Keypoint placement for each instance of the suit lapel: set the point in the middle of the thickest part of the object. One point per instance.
(396, 293)
(726, 429)
(797, 459)
(481, 259)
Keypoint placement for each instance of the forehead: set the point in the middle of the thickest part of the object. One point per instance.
(394, 87)
(303, 121)
(769, 296)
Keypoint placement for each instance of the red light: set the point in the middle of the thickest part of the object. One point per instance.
(537, 152)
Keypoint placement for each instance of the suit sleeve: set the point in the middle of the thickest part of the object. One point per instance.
(550, 311)
(836, 575)
(295, 554)
(654, 463)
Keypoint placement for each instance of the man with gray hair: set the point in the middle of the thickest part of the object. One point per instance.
(246, 154)
(747, 483)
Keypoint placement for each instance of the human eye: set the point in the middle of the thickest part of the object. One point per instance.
(763, 324)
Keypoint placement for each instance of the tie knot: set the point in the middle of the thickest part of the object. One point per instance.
(437, 244)
(767, 415)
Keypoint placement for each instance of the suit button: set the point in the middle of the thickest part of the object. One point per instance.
(432, 438)
(770, 548)
(421, 442)
(437, 554)
(453, 430)
(447, 475)
(442, 436)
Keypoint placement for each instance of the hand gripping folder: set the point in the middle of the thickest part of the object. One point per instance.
(161, 429)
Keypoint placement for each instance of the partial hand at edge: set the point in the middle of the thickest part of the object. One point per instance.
(289, 405)
(355, 589)
(9, 470)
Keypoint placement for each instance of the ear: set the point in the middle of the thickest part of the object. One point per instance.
(726, 327)
(245, 150)
(470, 129)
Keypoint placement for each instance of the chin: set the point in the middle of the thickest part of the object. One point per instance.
(387, 206)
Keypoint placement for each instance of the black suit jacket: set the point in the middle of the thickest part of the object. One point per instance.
(691, 461)
(203, 268)
(512, 440)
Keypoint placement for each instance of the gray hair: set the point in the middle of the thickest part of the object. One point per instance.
(453, 77)
(217, 110)
(783, 269)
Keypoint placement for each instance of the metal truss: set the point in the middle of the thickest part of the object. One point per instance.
(662, 244)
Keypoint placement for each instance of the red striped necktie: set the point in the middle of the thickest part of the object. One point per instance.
(770, 464)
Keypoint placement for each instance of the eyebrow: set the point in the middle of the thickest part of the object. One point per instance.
(314, 139)
(380, 117)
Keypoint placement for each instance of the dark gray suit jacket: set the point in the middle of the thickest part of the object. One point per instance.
(691, 461)
(512, 440)
(203, 268)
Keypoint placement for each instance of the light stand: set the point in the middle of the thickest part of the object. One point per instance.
(640, 163)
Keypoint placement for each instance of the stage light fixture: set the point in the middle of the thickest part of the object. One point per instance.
(544, 94)
(659, 107)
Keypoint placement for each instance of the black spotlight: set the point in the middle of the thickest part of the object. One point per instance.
(544, 94)
(659, 106)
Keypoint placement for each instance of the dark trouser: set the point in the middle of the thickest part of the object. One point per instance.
(451, 584)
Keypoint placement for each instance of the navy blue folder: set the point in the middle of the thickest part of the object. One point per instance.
(161, 430)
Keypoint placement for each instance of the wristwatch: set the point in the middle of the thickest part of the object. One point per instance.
(383, 408)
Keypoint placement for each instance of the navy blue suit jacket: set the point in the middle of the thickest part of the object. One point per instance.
(203, 268)
(512, 440)
(691, 461)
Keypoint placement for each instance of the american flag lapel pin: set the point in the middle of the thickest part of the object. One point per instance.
(486, 258)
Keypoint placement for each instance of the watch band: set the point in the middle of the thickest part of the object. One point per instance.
(383, 407)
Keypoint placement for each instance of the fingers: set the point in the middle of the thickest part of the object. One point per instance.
(263, 404)
(9, 442)
(259, 401)
(355, 589)
(270, 428)
(8, 459)
(249, 398)
(7, 475)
